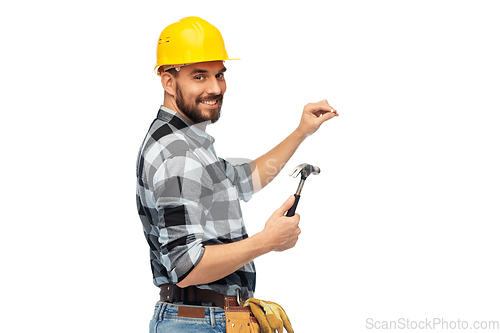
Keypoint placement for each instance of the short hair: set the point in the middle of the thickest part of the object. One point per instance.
(171, 70)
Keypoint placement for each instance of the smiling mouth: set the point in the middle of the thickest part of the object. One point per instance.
(210, 102)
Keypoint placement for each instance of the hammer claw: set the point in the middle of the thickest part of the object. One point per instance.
(297, 170)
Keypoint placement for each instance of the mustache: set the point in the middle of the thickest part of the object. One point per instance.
(210, 97)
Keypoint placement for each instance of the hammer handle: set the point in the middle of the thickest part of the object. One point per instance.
(291, 211)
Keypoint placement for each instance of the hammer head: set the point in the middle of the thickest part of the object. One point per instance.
(305, 170)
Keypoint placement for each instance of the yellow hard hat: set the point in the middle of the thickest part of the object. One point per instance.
(188, 41)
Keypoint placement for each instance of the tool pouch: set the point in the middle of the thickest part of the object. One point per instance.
(240, 320)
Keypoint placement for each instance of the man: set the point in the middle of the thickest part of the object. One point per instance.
(188, 198)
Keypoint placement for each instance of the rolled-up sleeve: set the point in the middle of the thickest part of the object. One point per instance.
(241, 176)
(182, 192)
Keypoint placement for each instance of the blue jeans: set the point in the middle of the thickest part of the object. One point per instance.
(167, 320)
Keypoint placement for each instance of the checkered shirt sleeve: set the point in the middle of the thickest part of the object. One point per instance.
(241, 176)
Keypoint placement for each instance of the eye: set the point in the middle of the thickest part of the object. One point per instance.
(198, 77)
(220, 76)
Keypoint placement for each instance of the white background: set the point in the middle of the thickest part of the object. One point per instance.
(402, 222)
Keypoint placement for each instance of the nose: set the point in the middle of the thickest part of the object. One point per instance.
(214, 86)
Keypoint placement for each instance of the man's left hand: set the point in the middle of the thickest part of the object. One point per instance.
(314, 115)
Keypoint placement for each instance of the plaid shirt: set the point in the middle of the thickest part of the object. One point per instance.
(188, 198)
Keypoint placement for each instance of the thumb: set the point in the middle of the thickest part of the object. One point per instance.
(328, 116)
(286, 206)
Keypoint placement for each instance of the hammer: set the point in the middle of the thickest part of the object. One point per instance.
(304, 170)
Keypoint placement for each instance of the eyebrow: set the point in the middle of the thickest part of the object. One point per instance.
(203, 71)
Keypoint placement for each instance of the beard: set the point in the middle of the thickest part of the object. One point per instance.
(195, 115)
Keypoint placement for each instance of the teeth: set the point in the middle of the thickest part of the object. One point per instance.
(209, 102)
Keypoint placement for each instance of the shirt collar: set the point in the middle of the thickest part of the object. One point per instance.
(182, 124)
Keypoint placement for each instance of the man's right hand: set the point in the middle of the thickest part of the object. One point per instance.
(282, 231)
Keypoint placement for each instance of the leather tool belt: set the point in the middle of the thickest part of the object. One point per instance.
(238, 318)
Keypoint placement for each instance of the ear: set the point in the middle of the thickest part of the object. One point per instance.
(168, 83)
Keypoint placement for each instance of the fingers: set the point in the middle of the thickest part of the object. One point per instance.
(286, 206)
(282, 231)
(261, 317)
(284, 317)
(329, 116)
(320, 109)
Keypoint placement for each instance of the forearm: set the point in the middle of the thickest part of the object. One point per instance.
(219, 261)
(280, 233)
(267, 167)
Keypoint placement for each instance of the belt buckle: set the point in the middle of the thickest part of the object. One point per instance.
(239, 299)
